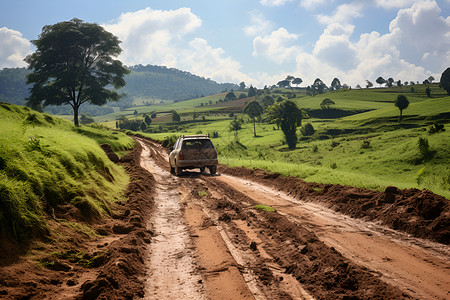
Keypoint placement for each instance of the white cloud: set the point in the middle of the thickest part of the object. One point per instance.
(389, 4)
(311, 4)
(149, 36)
(13, 48)
(258, 24)
(274, 2)
(344, 13)
(416, 46)
(275, 46)
(162, 37)
(335, 48)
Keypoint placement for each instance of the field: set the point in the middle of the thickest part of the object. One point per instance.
(357, 142)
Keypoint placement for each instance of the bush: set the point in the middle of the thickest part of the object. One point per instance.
(424, 148)
(307, 129)
(365, 145)
(169, 141)
(436, 128)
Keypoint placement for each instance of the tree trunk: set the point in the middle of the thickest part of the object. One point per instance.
(254, 127)
(400, 117)
(75, 116)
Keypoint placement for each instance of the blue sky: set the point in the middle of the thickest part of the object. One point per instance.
(256, 41)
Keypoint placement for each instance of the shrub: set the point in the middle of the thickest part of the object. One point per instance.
(334, 144)
(435, 128)
(333, 165)
(365, 145)
(315, 148)
(424, 147)
(307, 129)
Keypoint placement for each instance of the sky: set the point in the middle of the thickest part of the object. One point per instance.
(259, 42)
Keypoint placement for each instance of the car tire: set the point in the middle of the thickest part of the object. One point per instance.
(178, 170)
(212, 170)
(202, 169)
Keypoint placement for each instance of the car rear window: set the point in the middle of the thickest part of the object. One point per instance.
(197, 144)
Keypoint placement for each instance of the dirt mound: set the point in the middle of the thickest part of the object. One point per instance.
(420, 213)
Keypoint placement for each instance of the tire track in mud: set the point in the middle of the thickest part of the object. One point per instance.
(173, 273)
(418, 267)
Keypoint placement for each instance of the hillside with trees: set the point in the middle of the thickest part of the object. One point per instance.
(144, 82)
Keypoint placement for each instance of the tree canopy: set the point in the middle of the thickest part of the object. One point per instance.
(445, 80)
(326, 103)
(73, 64)
(402, 103)
(254, 110)
(288, 116)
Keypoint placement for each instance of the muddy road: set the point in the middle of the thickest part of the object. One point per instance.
(240, 234)
(217, 237)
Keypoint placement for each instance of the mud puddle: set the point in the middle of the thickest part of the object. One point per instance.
(172, 269)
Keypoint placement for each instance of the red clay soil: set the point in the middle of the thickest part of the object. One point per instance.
(420, 213)
(78, 267)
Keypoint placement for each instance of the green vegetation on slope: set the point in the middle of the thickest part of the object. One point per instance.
(46, 162)
(367, 147)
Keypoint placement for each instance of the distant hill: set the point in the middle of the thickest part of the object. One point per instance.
(144, 82)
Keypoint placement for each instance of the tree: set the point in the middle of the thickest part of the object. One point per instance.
(428, 91)
(336, 84)
(297, 81)
(235, 126)
(402, 103)
(288, 116)
(251, 91)
(318, 86)
(390, 81)
(399, 83)
(445, 80)
(73, 64)
(147, 120)
(369, 84)
(242, 85)
(431, 79)
(175, 116)
(380, 80)
(254, 110)
(230, 96)
(268, 101)
(284, 83)
(326, 103)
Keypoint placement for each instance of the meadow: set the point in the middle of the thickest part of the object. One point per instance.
(367, 147)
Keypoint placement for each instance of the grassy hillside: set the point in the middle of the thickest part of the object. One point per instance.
(367, 147)
(46, 162)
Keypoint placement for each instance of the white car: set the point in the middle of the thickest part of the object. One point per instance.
(191, 152)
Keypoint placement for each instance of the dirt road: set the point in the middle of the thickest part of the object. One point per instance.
(212, 241)
(241, 234)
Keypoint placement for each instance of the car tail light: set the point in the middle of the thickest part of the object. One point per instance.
(181, 155)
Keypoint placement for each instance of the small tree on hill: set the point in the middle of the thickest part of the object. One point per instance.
(230, 96)
(175, 116)
(445, 80)
(326, 103)
(297, 81)
(147, 120)
(235, 126)
(402, 103)
(288, 116)
(268, 101)
(380, 80)
(254, 110)
(251, 91)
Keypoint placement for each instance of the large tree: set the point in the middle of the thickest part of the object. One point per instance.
(380, 80)
(74, 64)
(402, 103)
(254, 110)
(445, 80)
(288, 116)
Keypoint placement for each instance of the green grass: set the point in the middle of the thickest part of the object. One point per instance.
(264, 207)
(45, 162)
(369, 149)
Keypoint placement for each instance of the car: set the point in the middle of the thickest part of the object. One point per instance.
(191, 152)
